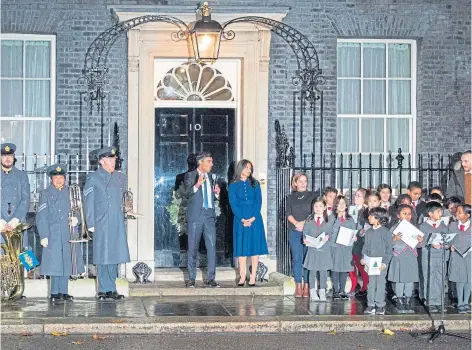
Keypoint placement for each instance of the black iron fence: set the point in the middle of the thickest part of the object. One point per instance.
(348, 172)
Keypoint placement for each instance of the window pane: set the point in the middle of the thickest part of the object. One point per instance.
(37, 98)
(399, 97)
(374, 97)
(372, 135)
(12, 98)
(349, 60)
(12, 58)
(12, 131)
(374, 60)
(347, 135)
(349, 96)
(399, 60)
(38, 59)
(398, 134)
(37, 137)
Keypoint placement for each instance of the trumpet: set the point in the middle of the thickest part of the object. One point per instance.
(76, 207)
(127, 206)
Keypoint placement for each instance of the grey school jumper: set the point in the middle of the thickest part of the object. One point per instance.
(404, 265)
(378, 243)
(318, 259)
(341, 255)
(459, 267)
(431, 264)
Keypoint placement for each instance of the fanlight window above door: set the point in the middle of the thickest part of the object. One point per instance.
(194, 82)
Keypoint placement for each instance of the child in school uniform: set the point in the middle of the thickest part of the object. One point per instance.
(378, 244)
(414, 191)
(452, 204)
(385, 192)
(459, 263)
(356, 211)
(392, 211)
(431, 259)
(373, 201)
(341, 255)
(318, 260)
(403, 269)
(329, 194)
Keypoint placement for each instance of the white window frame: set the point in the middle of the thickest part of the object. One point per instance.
(52, 79)
(412, 117)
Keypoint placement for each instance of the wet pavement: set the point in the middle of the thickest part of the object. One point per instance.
(148, 307)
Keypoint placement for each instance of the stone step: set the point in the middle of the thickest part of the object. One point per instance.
(181, 274)
(179, 289)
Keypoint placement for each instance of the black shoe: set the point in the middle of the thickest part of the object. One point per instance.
(336, 295)
(114, 295)
(361, 293)
(380, 311)
(344, 296)
(251, 285)
(241, 284)
(191, 284)
(55, 297)
(212, 284)
(101, 296)
(67, 297)
(400, 306)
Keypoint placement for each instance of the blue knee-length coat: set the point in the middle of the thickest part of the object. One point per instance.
(103, 194)
(52, 222)
(246, 202)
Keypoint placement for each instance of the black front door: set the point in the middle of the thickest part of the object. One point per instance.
(179, 132)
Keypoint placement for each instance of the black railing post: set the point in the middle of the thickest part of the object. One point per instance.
(350, 177)
(341, 174)
(381, 165)
(399, 159)
(370, 171)
(389, 164)
(360, 170)
(333, 170)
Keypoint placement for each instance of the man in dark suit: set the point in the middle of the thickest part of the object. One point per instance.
(201, 190)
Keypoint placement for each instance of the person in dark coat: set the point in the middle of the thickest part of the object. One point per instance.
(103, 194)
(53, 223)
(202, 191)
(15, 188)
(245, 198)
(460, 181)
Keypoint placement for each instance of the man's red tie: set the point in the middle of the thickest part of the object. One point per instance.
(462, 228)
(434, 225)
(342, 219)
(413, 204)
(318, 221)
(330, 208)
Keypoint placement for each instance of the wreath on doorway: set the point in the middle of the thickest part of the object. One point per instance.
(178, 208)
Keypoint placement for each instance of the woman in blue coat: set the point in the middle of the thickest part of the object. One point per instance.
(249, 239)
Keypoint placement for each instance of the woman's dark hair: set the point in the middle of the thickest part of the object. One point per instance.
(400, 199)
(311, 217)
(239, 169)
(466, 208)
(380, 214)
(403, 206)
(336, 203)
(382, 186)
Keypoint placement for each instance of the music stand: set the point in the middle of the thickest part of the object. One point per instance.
(436, 332)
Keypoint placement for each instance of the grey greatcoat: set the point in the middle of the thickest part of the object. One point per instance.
(52, 221)
(341, 255)
(404, 264)
(103, 194)
(459, 267)
(456, 183)
(15, 190)
(318, 259)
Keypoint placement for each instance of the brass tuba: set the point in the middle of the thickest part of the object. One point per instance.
(77, 208)
(127, 205)
(12, 278)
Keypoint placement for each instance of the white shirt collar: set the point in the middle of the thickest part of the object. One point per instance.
(429, 221)
(467, 224)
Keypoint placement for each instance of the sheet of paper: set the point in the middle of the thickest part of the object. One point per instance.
(346, 236)
(409, 233)
(372, 265)
(315, 242)
(436, 238)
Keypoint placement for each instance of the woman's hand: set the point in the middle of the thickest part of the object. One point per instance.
(383, 267)
(246, 223)
(397, 237)
(453, 248)
(362, 262)
(419, 238)
(326, 239)
(299, 225)
(436, 246)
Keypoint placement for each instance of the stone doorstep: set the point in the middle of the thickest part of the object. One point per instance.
(258, 324)
(85, 288)
(181, 274)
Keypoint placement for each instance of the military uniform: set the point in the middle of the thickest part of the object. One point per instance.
(15, 189)
(52, 221)
(103, 194)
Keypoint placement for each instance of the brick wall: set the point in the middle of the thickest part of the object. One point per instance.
(441, 27)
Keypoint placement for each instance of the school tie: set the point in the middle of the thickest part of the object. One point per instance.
(318, 221)
(434, 225)
(462, 228)
(205, 194)
(413, 204)
(329, 208)
(342, 219)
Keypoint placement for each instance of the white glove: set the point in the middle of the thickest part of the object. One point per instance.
(92, 229)
(44, 242)
(73, 221)
(14, 223)
(3, 223)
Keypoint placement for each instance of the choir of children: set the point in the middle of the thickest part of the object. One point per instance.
(379, 253)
